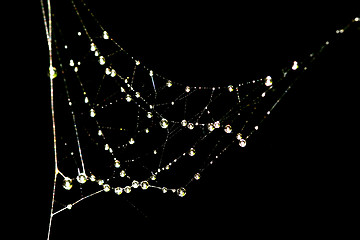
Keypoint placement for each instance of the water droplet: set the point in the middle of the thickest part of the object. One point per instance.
(164, 123)
(105, 35)
(81, 178)
(242, 143)
(67, 183)
(211, 127)
(118, 190)
(144, 185)
(197, 176)
(181, 192)
(192, 152)
(52, 72)
(127, 189)
(228, 128)
(268, 81)
(106, 187)
(101, 60)
(135, 184)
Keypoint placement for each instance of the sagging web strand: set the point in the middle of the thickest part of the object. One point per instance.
(141, 124)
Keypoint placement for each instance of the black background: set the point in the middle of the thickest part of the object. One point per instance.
(295, 177)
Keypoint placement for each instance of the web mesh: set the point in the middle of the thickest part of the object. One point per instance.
(119, 116)
(123, 127)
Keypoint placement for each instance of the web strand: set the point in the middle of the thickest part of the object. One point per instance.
(52, 73)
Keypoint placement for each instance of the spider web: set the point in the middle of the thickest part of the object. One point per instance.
(122, 112)
(123, 127)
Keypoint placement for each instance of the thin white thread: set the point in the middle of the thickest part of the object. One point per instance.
(81, 199)
(48, 29)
